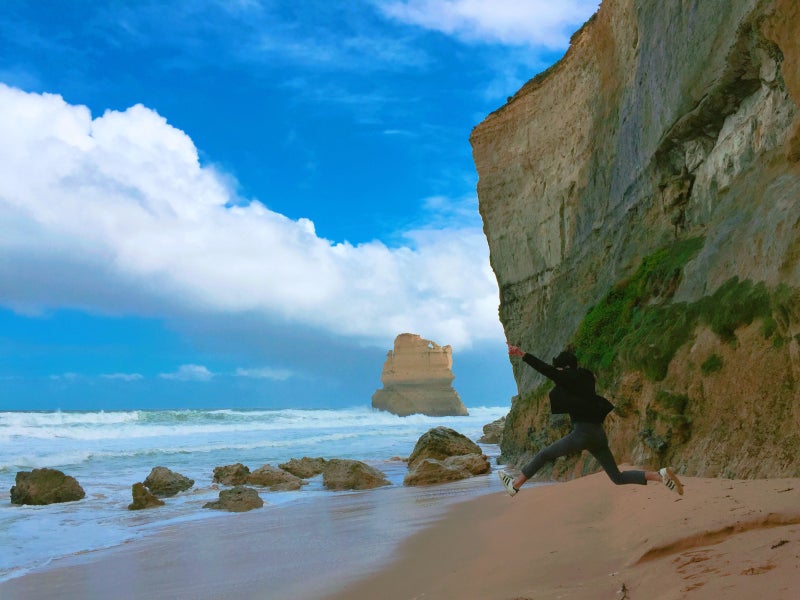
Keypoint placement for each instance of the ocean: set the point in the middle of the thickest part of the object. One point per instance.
(107, 452)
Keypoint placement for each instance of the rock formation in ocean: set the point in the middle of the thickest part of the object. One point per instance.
(236, 499)
(235, 474)
(417, 378)
(45, 486)
(304, 467)
(345, 474)
(641, 201)
(275, 479)
(143, 498)
(164, 482)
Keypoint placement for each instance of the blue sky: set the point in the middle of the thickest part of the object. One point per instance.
(241, 203)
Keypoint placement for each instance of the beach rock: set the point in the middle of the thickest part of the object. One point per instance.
(237, 499)
(143, 498)
(417, 377)
(165, 483)
(305, 467)
(476, 464)
(430, 471)
(343, 474)
(493, 432)
(275, 479)
(235, 474)
(439, 443)
(45, 486)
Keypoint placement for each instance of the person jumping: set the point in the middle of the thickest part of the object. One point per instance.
(575, 394)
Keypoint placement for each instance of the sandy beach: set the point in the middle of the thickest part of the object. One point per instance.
(585, 540)
(588, 540)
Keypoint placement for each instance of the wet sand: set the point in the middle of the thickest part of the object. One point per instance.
(303, 550)
(583, 540)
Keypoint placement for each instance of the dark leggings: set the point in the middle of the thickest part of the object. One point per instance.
(584, 436)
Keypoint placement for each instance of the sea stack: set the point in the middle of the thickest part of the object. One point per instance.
(418, 378)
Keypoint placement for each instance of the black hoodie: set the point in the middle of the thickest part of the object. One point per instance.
(574, 392)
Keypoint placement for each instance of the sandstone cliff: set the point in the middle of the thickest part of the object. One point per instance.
(641, 200)
(417, 377)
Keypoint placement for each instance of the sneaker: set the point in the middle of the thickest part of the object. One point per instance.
(671, 480)
(508, 482)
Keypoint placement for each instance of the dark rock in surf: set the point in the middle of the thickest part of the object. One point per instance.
(237, 499)
(143, 498)
(305, 467)
(165, 483)
(235, 474)
(343, 474)
(275, 479)
(45, 486)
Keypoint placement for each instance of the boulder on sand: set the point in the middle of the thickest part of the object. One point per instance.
(165, 483)
(275, 479)
(476, 464)
(143, 498)
(237, 499)
(235, 474)
(305, 467)
(45, 486)
(439, 443)
(343, 474)
(430, 471)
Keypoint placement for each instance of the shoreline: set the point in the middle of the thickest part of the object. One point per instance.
(107, 452)
(579, 540)
(302, 549)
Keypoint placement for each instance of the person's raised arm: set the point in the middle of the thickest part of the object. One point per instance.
(545, 369)
(564, 378)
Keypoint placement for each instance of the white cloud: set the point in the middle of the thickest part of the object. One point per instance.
(65, 377)
(116, 214)
(540, 23)
(123, 376)
(189, 373)
(264, 373)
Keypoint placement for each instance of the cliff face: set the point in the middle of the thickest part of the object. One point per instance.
(417, 377)
(641, 200)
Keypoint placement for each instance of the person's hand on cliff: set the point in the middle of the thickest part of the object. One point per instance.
(514, 351)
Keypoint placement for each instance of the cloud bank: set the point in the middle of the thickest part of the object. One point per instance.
(540, 23)
(116, 214)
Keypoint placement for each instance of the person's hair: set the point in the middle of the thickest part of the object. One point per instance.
(566, 359)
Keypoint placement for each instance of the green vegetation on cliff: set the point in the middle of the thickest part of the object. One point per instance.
(637, 326)
(712, 364)
(635, 313)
